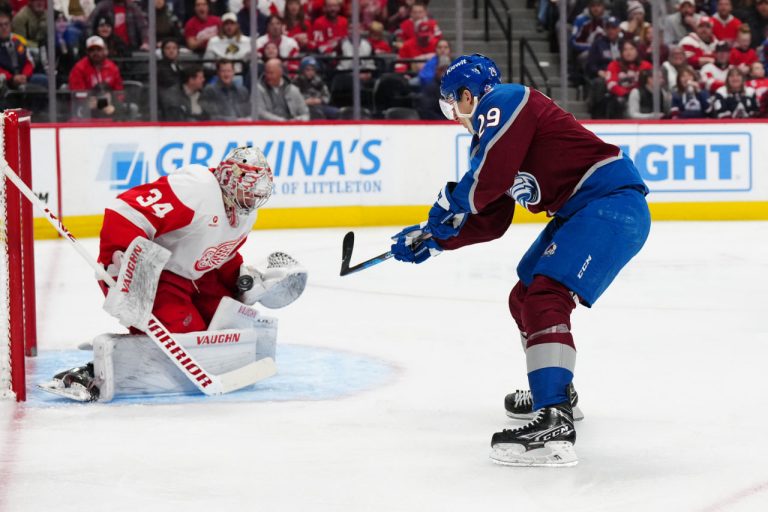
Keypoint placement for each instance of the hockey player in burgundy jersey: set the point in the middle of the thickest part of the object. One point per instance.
(527, 150)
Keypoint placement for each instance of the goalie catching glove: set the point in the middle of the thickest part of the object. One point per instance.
(275, 284)
(138, 270)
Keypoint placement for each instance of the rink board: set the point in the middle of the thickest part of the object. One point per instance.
(304, 373)
(385, 173)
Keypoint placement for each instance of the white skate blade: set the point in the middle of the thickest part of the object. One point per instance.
(577, 415)
(75, 392)
(554, 454)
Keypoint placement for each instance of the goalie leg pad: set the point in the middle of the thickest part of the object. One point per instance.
(132, 298)
(131, 365)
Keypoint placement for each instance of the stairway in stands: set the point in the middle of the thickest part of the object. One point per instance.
(523, 25)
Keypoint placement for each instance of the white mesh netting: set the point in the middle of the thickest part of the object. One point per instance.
(5, 336)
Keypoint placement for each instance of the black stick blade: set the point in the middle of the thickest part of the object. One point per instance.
(346, 252)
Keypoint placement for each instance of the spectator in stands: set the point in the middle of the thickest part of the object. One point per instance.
(30, 23)
(672, 66)
(181, 102)
(166, 22)
(700, 46)
(689, 100)
(346, 49)
(734, 99)
(230, 44)
(622, 76)
(116, 47)
(428, 104)
(586, 27)
(742, 56)
(16, 66)
(635, 25)
(544, 15)
(378, 38)
(427, 73)
(201, 27)
(724, 24)
(296, 26)
(421, 48)
(71, 23)
(714, 73)
(640, 99)
(604, 49)
(759, 83)
(93, 79)
(288, 47)
(315, 91)
(244, 20)
(169, 72)
(329, 29)
(372, 11)
(645, 45)
(681, 23)
(757, 19)
(129, 22)
(224, 99)
(278, 99)
(401, 14)
(409, 29)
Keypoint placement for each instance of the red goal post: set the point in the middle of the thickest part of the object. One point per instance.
(18, 326)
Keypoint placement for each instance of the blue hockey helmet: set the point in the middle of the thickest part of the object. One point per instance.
(476, 73)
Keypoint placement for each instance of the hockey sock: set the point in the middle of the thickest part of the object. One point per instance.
(550, 352)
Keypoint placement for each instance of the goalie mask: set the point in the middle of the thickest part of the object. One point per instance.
(245, 179)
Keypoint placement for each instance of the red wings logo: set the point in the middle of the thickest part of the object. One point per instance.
(216, 255)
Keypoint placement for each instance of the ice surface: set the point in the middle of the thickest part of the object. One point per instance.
(671, 375)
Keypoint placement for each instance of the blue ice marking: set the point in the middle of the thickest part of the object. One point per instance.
(304, 373)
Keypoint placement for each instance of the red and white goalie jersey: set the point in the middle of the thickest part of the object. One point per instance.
(183, 212)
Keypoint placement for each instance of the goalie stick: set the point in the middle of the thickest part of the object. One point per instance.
(207, 383)
(347, 245)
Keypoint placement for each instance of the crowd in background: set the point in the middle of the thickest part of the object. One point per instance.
(204, 57)
(713, 55)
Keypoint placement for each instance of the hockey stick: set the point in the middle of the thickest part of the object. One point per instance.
(207, 383)
(347, 245)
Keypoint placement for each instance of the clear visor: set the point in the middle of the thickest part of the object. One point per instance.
(446, 106)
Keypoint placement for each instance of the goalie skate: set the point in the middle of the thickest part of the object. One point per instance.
(546, 441)
(519, 405)
(76, 384)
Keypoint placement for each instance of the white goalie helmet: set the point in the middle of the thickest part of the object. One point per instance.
(245, 179)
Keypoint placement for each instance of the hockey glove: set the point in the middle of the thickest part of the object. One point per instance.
(274, 283)
(446, 218)
(407, 248)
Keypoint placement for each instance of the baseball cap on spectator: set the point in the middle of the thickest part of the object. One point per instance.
(704, 20)
(596, 2)
(104, 21)
(681, 2)
(230, 16)
(307, 62)
(94, 41)
(612, 22)
(723, 46)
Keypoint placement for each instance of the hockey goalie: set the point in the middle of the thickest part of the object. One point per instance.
(172, 246)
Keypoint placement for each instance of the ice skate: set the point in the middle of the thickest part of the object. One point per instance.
(546, 441)
(519, 405)
(76, 384)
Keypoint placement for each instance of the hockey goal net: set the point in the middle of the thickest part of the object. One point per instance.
(17, 267)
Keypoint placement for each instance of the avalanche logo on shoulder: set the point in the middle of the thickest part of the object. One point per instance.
(525, 190)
